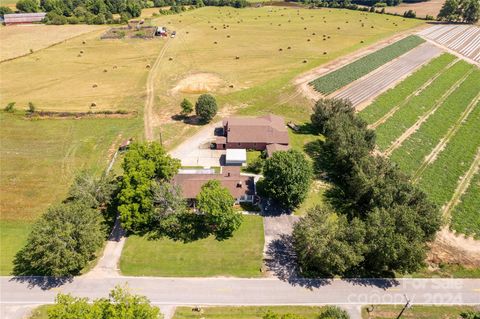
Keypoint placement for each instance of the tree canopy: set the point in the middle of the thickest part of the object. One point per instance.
(467, 11)
(215, 203)
(121, 304)
(62, 241)
(143, 165)
(371, 193)
(287, 178)
(27, 6)
(206, 107)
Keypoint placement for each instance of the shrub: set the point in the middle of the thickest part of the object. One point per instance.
(5, 10)
(206, 107)
(10, 108)
(334, 312)
(187, 107)
(31, 107)
(410, 14)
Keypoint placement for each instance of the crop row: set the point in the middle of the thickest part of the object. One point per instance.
(420, 104)
(441, 178)
(413, 150)
(466, 216)
(393, 97)
(333, 81)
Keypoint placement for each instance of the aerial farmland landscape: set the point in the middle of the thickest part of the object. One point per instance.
(239, 159)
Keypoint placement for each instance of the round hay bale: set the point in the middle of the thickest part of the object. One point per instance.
(304, 61)
(228, 36)
(305, 28)
(324, 52)
(308, 40)
(95, 85)
(105, 70)
(84, 42)
(338, 28)
(114, 66)
(372, 26)
(289, 48)
(170, 59)
(280, 49)
(361, 41)
(215, 42)
(314, 33)
(231, 86)
(93, 104)
(237, 58)
(148, 66)
(81, 51)
(79, 55)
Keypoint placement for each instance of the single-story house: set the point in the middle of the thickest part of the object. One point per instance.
(22, 18)
(241, 187)
(253, 133)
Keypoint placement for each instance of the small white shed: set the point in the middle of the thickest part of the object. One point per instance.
(236, 156)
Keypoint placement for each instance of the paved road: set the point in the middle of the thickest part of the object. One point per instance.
(236, 291)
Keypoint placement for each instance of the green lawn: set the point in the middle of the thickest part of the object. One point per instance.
(239, 256)
(13, 235)
(246, 312)
(417, 312)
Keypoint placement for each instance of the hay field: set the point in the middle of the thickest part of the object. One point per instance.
(17, 40)
(422, 9)
(271, 44)
(61, 78)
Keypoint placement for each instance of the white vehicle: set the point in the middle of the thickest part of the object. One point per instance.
(174, 33)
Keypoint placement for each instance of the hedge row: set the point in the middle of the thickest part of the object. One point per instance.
(335, 80)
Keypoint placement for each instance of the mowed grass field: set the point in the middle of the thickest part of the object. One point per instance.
(271, 44)
(239, 256)
(18, 40)
(62, 78)
(417, 312)
(39, 159)
(254, 312)
(429, 124)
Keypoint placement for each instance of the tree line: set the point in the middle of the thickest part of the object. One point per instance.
(377, 222)
(103, 11)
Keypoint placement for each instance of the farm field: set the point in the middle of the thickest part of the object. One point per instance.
(239, 256)
(422, 9)
(109, 73)
(421, 104)
(204, 59)
(39, 159)
(428, 129)
(417, 312)
(337, 79)
(464, 39)
(366, 88)
(18, 40)
(463, 220)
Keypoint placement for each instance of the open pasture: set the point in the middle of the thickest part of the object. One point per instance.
(72, 75)
(39, 159)
(18, 40)
(248, 57)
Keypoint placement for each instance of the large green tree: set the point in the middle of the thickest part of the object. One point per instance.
(121, 304)
(91, 190)
(143, 165)
(27, 6)
(215, 204)
(287, 178)
(327, 244)
(62, 241)
(467, 11)
(206, 107)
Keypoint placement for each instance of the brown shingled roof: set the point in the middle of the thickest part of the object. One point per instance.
(264, 129)
(230, 178)
(272, 148)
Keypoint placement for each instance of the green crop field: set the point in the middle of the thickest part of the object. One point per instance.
(419, 105)
(400, 93)
(333, 81)
(239, 256)
(413, 151)
(466, 216)
(39, 159)
(440, 178)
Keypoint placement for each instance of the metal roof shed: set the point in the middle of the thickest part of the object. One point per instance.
(236, 156)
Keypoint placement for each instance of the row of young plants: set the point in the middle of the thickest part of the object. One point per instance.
(441, 178)
(339, 78)
(413, 151)
(419, 105)
(393, 97)
(465, 216)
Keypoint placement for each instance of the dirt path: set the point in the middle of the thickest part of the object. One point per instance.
(302, 81)
(149, 117)
(443, 142)
(397, 143)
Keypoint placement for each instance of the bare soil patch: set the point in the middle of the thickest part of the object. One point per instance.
(451, 248)
(199, 83)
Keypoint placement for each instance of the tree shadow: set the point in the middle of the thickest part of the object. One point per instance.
(43, 282)
(282, 262)
(190, 120)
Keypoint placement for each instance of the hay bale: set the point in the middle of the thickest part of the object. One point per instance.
(215, 42)
(228, 36)
(289, 48)
(79, 55)
(237, 58)
(93, 104)
(148, 66)
(280, 49)
(81, 51)
(231, 86)
(105, 70)
(84, 42)
(314, 33)
(114, 66)
(304, 61)
(308, 40)
(305, 28)
(324, 52)
(170, 59)
(95, 85)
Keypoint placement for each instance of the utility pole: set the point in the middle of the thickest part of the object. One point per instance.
(408, 305)
(161, 140)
